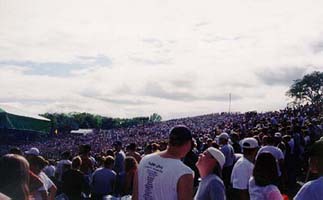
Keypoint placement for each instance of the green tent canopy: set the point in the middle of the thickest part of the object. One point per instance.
(14, 119)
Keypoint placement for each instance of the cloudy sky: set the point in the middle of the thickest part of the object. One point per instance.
(177, 58)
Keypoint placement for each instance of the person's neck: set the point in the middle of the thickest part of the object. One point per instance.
(171, 153)
(205, 172)
(250, 158)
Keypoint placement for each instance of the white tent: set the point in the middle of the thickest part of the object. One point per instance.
(82, 131)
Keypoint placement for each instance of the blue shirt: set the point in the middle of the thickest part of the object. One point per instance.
(210, 188)
(119, 162)
(312, 190)
(103, 180)
(228, 153)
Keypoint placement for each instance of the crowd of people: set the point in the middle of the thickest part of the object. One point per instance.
(272, 155)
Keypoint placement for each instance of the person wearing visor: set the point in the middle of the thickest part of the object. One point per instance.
(210, 165)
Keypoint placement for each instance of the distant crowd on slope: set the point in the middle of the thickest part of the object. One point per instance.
(244, 156)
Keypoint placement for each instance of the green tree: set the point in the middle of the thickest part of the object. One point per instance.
(308, 89)
(155, 118)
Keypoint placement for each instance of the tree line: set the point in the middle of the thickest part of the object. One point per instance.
(308, 89)
(65, 122)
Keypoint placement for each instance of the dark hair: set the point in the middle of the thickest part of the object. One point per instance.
(155, 147)
(16, 150)
(215, 145)
(84, 149)
(132, 147)
(76, 162)
(316, 152)
(14, 176)
(265, 171)
(148, 149)
(130, 163)
(66, 154)
(179, 135)
(37, 163)
(108, 161)
(109, 152)
(270, 140)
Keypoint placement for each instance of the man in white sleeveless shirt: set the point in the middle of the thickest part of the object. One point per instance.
(162, 175)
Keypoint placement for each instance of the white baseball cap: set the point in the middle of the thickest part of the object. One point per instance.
(217, 154)
(278, 134)
(249, 143)
(33, 151)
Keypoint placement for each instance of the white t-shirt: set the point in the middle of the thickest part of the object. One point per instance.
(4, 197)
(59, 168)
(275, 151)
(312, 190)
(47, 184)
(241, 173)
(49, 170)
(269, 192)
(158, 177)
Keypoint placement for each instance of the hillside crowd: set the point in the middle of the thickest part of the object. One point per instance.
(272, 155)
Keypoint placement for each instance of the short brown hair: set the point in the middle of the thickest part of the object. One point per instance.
(130, 163)
(108, 161)
(76, 162)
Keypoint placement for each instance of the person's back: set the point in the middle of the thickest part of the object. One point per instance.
(160, 176)
(163, 176)
(268, 192)
(49, 170)
(265, 176)
(135, 154)
(120, 156)
(243, 168)
(119, 167)
(103, 180)
(61, 167)
(87, 165)
(228, 152)
(241, 173)
(276, 152)
(73, 183)
(131, 151)
(73, 180)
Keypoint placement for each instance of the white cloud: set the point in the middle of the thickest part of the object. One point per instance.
(201, 50)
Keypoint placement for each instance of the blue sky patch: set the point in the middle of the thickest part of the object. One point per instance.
(59, 68)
